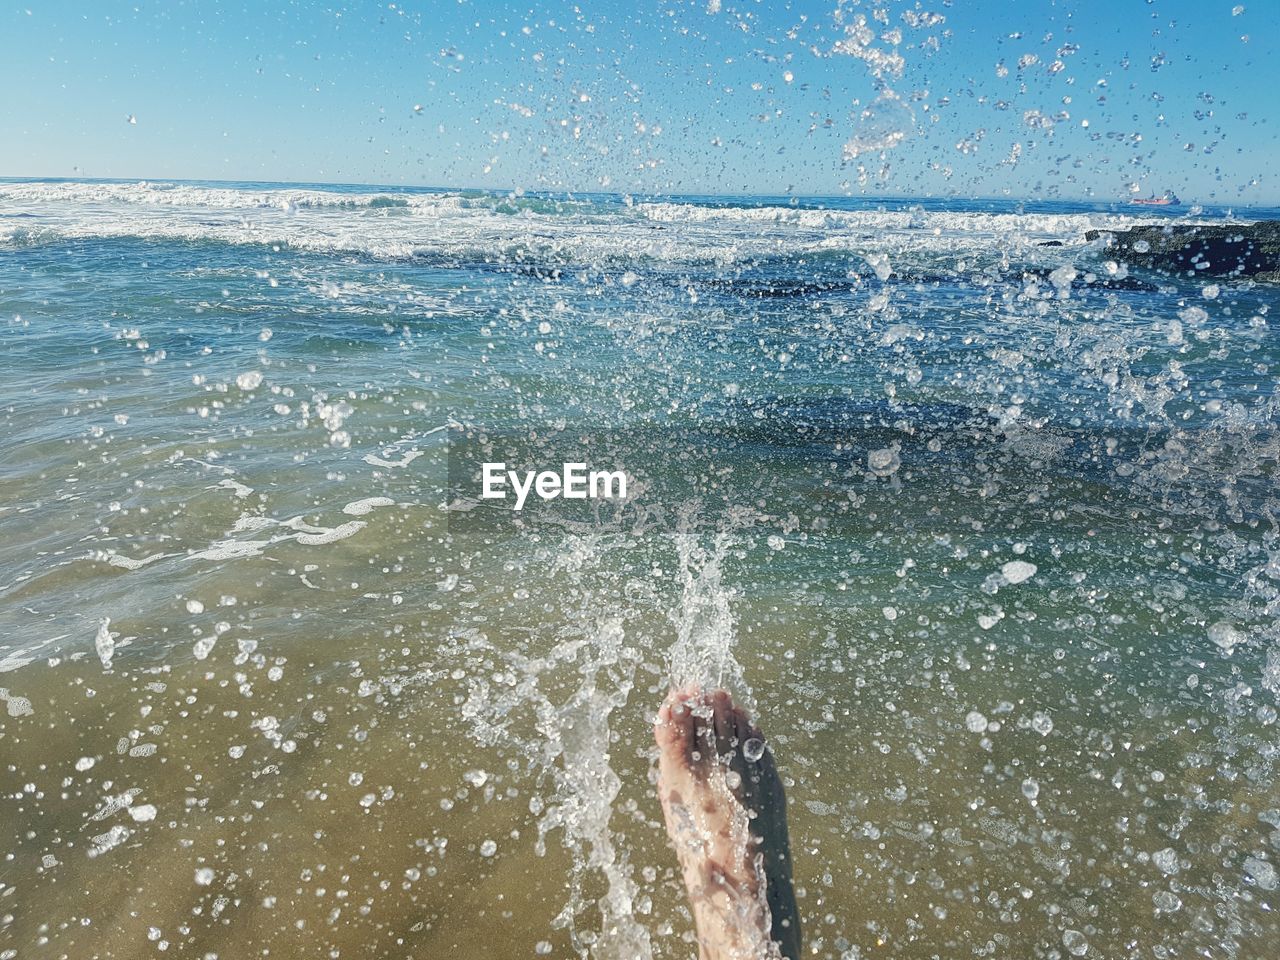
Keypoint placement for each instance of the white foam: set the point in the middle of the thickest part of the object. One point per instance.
(492, 230)
(231, 550)
(284, 200)
(105, 643)
(129, 563)
(20, 658)
(340, 532)
(358, 508)
(377, 461)
(108, 841)
(15, 705)
(253, 522)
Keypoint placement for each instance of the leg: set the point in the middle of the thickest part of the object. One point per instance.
(726, 815)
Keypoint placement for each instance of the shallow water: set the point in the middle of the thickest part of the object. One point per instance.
(991, 549)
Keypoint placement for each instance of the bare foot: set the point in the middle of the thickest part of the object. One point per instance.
(727, 817)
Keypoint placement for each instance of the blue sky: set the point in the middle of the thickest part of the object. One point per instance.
(1024, 98)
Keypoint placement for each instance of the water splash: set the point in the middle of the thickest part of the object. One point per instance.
(703, 651)
(571, 749)
(586, 787)
(575, 690)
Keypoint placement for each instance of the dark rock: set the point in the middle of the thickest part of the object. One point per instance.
(1227, 250)
(1049, 243)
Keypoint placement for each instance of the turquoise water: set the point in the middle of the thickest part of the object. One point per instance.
(984, 529)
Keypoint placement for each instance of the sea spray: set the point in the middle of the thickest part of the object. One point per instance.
(575, 688)
(572, 691)
(104, 642)
(585, 792)
(703, 654)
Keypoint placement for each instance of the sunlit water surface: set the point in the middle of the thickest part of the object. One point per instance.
(985, 530)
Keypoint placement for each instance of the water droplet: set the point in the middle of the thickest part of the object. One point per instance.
(143, 812)
(1018, 571)
(883, 462)
(1225, 636)
(1262, 873)
(1166, 860)
(1075, 942)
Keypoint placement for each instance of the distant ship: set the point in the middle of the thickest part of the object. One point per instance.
(1170, 199)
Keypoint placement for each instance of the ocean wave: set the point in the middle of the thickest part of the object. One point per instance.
(535, 232)
(284, 198)
(158, 193)
(984, 224)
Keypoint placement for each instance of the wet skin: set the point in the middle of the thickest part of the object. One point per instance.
(726, 814)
